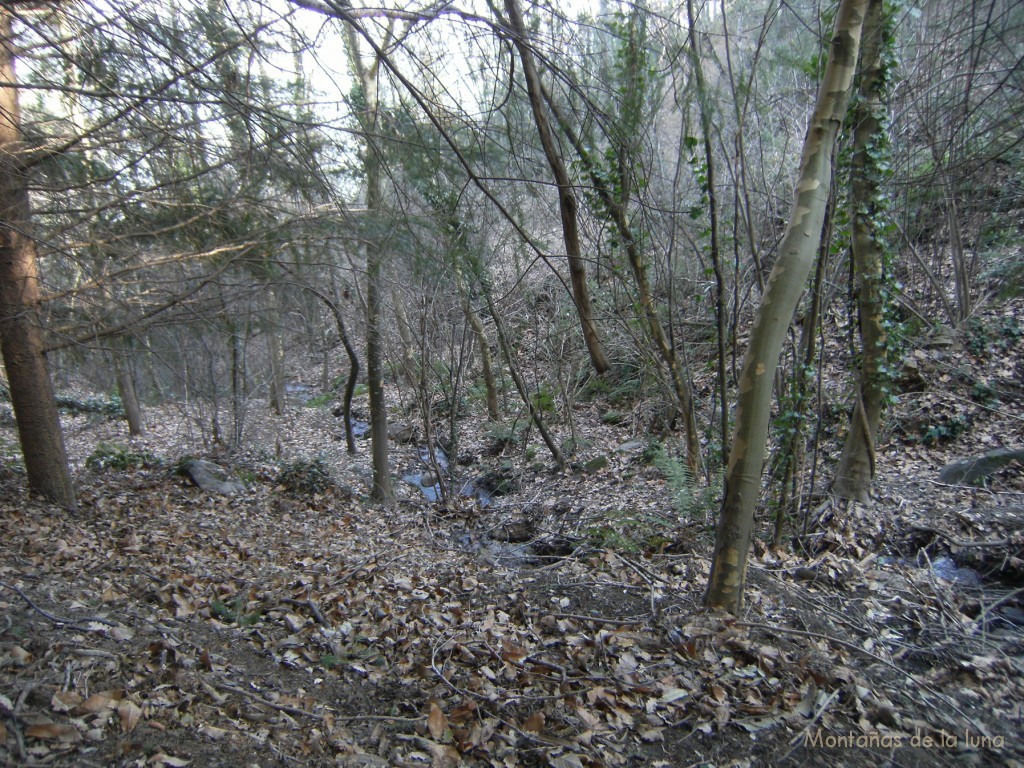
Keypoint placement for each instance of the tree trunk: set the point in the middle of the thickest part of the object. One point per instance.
(524, 393)
(616, 212)
(486, 360)
(238, 393)
(278, 396)
(857, 464)
(382, 487)
(775, 313)
(410, 365)
(21, 340)
(567, 205)
(704, 109)
(126, 390)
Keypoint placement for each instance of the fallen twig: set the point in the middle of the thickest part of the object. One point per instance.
(963, 544)
(71, 623)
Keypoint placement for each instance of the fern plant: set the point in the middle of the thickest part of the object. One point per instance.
(688, 498)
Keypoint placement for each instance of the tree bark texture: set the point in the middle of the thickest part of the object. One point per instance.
(567, 204)
(857, 463)
(21, 338)
(775, 313)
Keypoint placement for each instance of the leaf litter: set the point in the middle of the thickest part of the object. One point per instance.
(163, 626)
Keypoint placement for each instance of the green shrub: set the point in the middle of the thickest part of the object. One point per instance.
(613, 417)
(112, 456)
(306, 477)
(320, 400)
(687, 497)
(992, 336)
(107, 406)
(233, 613)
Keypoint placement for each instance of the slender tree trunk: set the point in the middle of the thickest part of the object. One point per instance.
(704, 108)
(278, 396)
(524, 394)
(410, 365)
(238, 394)
(126, 389)
(775, 313)
(486, 360)
(616, 212)
(21, 339)
(353, 363)
(567, 205)
(857, 462)
(382, 489)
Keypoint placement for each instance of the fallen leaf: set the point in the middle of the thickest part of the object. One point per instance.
(160, 759)
(129, 713)
(67, 734)
(96, 703)
(534, 723)
(65, 701)
(437, 723)
(213, 733)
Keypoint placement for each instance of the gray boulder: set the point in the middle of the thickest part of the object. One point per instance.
(212, 477)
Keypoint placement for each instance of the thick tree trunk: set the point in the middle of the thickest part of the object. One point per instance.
(857, 464)
(21, 341)
(567, 205)
(775, 313)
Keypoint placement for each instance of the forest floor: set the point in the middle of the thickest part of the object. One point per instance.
(560, 624)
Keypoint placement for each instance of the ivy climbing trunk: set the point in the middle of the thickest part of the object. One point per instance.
(775, 313)
(567, 203)
(21, 337)
(857, 463)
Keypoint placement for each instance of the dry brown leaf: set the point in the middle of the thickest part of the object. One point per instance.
(97, 703)
(65, 701)
(62, 732)
(437, 723)
(535, 723)
(652, 735)
(129, 714)
(160, 760)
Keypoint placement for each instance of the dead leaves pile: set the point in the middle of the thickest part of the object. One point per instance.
(163, 627)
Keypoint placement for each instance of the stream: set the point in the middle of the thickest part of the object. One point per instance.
(430, 484)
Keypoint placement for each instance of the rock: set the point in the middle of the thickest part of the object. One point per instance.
(941, 336)
(595, 464)
(631, 446)
(212, 477)
(402, 433)
(970, 471)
